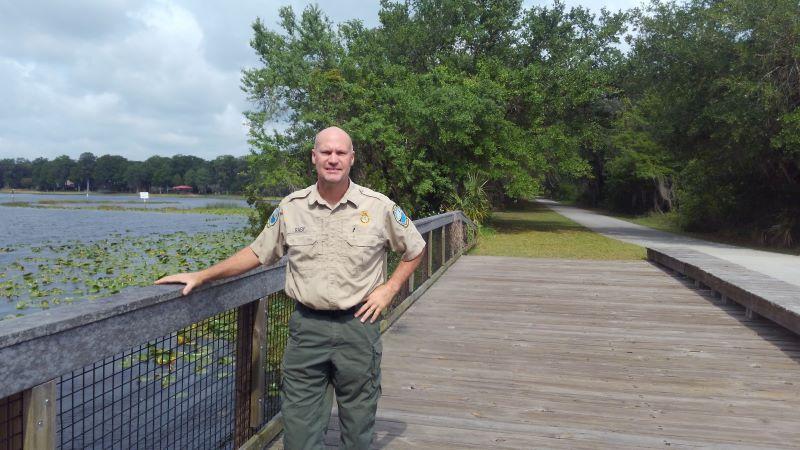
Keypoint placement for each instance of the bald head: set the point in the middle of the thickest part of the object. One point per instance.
(333, 135)
(333, 156)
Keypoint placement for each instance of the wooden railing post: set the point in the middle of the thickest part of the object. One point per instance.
(258, 364)
(39, 415)
(444, 244)
(429, 250)
(245, 324)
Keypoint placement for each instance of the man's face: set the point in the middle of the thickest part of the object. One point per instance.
(332, 157)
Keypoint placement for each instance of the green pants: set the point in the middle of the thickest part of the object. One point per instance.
(330, 349)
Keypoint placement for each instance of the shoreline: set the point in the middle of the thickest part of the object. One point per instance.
(132, 194)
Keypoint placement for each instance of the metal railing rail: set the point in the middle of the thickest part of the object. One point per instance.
(144, 367)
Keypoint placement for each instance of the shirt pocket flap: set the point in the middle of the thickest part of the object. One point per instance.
(293, 240)
(364, 240)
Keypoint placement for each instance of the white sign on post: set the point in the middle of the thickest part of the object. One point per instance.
(144, 195)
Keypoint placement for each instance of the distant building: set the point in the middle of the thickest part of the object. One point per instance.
(182, 189)
(69, 184)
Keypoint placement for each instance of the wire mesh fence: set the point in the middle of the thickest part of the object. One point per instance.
(279, 309)
(172, 392)
(421, 273)
(436, 249)
(11, 422)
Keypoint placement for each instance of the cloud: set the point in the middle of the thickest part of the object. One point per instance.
(145, 91)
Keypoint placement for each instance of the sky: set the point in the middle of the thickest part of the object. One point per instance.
(140, 78)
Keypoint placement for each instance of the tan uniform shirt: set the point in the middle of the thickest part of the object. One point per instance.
(335, 252)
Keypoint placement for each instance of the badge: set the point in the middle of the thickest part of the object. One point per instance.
(273, 219)
(364, 217)
(400, 216)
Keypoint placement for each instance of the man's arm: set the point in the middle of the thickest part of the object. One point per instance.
(241, 261)
(380, 299)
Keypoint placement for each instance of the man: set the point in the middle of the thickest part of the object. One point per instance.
(335, 234)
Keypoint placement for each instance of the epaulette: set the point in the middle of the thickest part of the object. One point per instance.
(374, 194)
(302, 193)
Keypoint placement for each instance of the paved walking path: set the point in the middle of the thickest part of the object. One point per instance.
(776, 265)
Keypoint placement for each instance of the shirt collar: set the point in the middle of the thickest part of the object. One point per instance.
(352, 195)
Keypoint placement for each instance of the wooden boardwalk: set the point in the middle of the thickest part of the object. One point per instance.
(531, 353)
(773, 299)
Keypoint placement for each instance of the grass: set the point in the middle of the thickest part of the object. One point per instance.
(534, 231)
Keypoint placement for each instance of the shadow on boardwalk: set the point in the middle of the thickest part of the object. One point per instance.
(534, 353)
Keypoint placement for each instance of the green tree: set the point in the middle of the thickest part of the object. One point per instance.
(84, 168)
(135, 176)
(21, 174)
(159, 172)
(109, 172)
(58, 171)
(202, 179)
(40, 178)
(713, 90)
(224, 172)
(442, 90)
(6, 168)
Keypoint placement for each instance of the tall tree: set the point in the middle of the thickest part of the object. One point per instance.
(441, 91)
(109, 172)
(714, 95)
(85, 168)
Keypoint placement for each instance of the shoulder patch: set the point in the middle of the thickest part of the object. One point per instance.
(273, 219)
(400, 216)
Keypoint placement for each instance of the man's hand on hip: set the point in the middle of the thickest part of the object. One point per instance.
(380, 299)
(377, 302)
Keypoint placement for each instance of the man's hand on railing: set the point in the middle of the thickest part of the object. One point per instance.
(239, 263)
(190, 279)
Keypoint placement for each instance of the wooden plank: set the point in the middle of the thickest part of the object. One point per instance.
(39, 413)
(245, 322)
(257, 364)
(266, 435)
(444, 245)
(429, 253)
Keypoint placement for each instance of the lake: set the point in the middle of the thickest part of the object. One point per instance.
(50, 257)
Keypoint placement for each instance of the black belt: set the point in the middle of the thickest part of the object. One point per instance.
(328, 312)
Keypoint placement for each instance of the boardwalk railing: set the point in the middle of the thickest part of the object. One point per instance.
(149, 368)
(759, 294)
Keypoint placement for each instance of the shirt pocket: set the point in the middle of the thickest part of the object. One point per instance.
(363, 250)
(302, 249)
